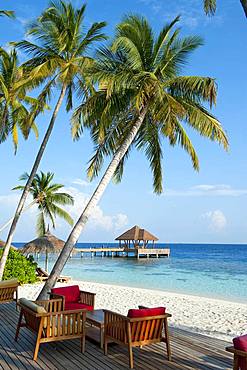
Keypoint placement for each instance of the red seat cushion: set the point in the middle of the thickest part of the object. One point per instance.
(240, 343)
(144, 312)
(71, 293)
(77, 306)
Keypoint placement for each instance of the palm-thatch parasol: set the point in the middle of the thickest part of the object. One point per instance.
(136, 235)
(45, 244)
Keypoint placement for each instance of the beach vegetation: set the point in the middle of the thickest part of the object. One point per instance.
(20, 267)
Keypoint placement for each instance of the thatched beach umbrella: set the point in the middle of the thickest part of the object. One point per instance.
(45, 244)
(136, 236)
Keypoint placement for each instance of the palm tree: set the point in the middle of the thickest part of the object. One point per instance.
(210, 6)
(7, 13)
(48, 198)
(60, 55)
(142, 99)
(15, 104)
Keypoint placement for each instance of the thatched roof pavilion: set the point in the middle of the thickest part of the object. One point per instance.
(137, 236)
(45, 244)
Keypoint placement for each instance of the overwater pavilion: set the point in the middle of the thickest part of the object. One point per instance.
(136, 239)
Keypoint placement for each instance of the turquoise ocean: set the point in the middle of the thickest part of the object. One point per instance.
(209, 270)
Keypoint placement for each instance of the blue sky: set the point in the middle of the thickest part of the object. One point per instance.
(204, 207)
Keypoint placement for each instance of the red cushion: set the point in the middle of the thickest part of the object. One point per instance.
(71, 293)
(240, 343)
(77, 306)
(144, 312)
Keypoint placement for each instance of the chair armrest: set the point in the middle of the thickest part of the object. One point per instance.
(236, 351)
(87, 298)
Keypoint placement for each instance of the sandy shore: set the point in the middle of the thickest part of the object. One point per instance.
(216, 318)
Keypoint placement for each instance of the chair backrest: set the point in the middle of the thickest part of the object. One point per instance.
(71, 293)
(146, 329)
(148, 324)
(8, 289)
(30, 311)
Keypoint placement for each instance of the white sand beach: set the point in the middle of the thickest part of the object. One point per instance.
(216, 318)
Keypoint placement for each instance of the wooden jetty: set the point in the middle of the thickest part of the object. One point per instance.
(189, 351)
(123, 252)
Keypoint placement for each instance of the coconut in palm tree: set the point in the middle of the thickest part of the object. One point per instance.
(143, 99)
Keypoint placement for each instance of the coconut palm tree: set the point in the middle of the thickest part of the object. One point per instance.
(210, 6)
(48, 198)
(59, 56)
(142, 99)
(15, 104)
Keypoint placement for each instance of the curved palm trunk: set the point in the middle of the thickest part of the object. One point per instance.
(11, 219)
(29, 182)
(79, 226)
(244, 5)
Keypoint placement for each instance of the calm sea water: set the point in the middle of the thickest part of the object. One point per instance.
(218, 271)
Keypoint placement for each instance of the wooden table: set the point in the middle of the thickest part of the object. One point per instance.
(95, 327)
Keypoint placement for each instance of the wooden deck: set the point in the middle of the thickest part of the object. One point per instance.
(190, 351)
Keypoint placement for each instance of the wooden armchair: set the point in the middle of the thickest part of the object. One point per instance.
(9, 290)
(50, 323)
(73, 298)
(136, 331)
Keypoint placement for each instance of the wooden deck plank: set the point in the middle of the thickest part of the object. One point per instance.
(189, 351)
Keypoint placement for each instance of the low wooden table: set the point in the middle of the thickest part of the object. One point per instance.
(95, 327)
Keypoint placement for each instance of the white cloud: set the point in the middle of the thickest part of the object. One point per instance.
(216, 220)
(207, 190)
(98, 218)
(99, 222)
(191, 11)
(81, 182)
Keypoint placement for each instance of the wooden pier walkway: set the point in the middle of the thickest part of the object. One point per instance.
(189, 351)
(123, 252)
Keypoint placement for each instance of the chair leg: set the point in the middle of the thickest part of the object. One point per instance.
(235, 362)
(36, 350)
(168, 347)
(83, 343)
(105, 346)
(18, 326)
(131, 361)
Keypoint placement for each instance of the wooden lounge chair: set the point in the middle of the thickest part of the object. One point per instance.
(50, 323)
(73, 298)
(43, 275)
(136, 331)
(9, 290)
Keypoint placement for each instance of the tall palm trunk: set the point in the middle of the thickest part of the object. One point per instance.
(95, 198)
(29, 181)
(244, 5)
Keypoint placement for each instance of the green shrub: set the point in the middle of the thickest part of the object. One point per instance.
(20, 267)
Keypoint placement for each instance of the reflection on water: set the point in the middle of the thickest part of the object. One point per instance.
(211, 270)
